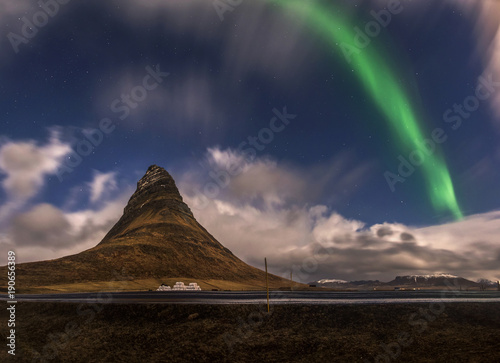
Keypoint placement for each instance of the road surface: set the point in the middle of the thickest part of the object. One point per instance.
(259, 297)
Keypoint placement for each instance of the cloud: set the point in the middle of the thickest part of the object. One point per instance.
(488, 28)
(188, 14)
(25, 165)
(261, 181)
(185, 101)
(283, 45)
(485, 18)
(332, 227)
(384, 231)
(102, 183)
(464, 234)
(317, 242)
(406, 237)
(190, 101)
(12, 9)
(47, 232)
(11, 18)
(229, 174)
(485, 15)
(42, 226)
(332, 246)
(287, 227)
(91, 225)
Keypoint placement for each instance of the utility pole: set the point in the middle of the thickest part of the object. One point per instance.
(291, 280)
(267, 285)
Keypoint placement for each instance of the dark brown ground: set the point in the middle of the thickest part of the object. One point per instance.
(455, 332)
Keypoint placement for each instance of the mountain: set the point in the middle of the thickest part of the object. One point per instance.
(333, 282)
(342, 284)
(435, 280)
(439, 280)
(156, 240)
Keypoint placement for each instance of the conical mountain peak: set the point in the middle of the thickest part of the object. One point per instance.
(155, 184)
(156, 202)
(158, 179)
(155, 175)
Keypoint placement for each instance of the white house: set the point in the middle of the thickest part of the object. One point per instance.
(179, 286)
(164, 287)
(193, 286)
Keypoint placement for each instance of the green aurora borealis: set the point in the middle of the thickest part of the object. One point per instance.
(380, 82)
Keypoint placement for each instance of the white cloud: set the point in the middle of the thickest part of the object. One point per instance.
(102, 183)
(224, 159)
(466, 234)
(331, 227)
(232, 174)
(47, 232)
(25, 165)
(91, 225)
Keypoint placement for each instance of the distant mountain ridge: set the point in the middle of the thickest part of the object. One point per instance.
(326, 281)
(432, 281)
(437, 275)
(437, 280)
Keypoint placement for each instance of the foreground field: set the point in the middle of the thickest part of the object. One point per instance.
(59, 332)
(152, 284)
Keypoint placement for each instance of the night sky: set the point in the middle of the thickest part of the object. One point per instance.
(367, 128)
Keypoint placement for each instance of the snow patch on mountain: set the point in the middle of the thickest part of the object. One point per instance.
(333, 281)
(438, 275)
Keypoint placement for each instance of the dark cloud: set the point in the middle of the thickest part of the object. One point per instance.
(406, 237)
(384, 231)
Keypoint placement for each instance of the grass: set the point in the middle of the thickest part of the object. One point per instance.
(463, 332)
(147, 284)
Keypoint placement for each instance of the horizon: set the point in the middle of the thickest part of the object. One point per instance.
(360, 151)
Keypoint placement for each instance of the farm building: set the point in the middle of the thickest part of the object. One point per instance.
(179, 286)
(164, 287)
